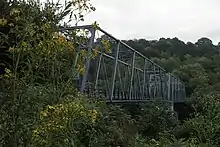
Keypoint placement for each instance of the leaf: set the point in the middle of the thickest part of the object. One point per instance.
(93, 8)
(65, 13)
(80, 16)
(75, 16)
(68, 6)
(71, 14)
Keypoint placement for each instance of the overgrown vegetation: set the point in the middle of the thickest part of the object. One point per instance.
(40, 105)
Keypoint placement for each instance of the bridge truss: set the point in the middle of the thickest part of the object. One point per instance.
(124, 74)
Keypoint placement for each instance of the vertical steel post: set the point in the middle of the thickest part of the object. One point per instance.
(98, 70)
(154, 82)
(170, 97)
(175, 89)
(139, 86)
(181, 91)
(132, 76)
(106, 77)
(178, 87)
(145, 64)
(92, 30)
(172, 83)
(168, 87)
(115, 71)
(184, 91)
(119, 75)
(161, 85)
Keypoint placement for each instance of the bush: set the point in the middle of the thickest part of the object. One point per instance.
(204, 127)
(152, 119)
(39, 103)
(42, 72)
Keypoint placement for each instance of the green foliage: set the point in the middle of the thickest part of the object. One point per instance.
(152, 119)
(42, 72)
(167, 142)
(39, 103)
(114, 128)
(198, 66)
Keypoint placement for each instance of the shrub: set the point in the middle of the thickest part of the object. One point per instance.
(152, 119)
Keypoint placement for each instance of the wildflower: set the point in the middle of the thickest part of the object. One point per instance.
(81, 69)
(44, 114)
(95, 53)
(61, 39)
(107, 45)
(8, 71)
(56, 34)
(24, 44)
(51, 107)
(84, 53)
(3, 22)
(14, 12)
(93, 115)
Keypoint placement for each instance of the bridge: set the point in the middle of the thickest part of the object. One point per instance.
(122, 74)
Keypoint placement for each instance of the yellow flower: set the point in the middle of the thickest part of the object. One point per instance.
(51, 107)
(24, 44)
(93, 115)
(95, 53)
(94, 111)
(84, 52)
(7, 70)
(44, 114)
(61, 39)
(107, 45)
(7, 73)
(81, 69)
(35, 131)
(3, 22)
(14, 11)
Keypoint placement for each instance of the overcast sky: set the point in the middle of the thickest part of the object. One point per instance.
(188, 20)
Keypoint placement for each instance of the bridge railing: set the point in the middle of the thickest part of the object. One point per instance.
(123, 74)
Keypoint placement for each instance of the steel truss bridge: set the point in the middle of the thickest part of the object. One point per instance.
(123, 74)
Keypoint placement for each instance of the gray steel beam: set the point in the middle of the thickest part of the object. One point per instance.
(115, 71)
(98, 70)
(88, 59)
(132, 76)
(169, 88)
(144, 84)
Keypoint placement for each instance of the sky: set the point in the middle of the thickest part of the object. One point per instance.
(188, 20)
